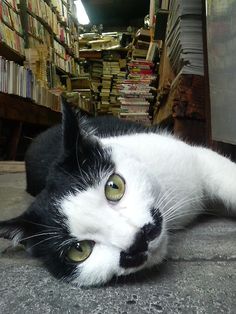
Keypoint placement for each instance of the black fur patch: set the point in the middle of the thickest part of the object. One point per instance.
(135, 256)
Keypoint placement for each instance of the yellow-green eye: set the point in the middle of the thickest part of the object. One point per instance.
(80, 252)
(115, 188)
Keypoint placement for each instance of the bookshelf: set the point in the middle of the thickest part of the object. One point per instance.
(42, 36)
(11, 32)
(39, 54)
(52, 23)
(181, 90)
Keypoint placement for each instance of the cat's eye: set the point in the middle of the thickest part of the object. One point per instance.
(115, 188)
(80, 251)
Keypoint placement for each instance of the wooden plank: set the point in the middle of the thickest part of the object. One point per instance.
(17, 108)
(12, 166)
(10, 54)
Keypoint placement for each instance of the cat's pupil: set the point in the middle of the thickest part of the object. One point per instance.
(113, 185)
(78, 247)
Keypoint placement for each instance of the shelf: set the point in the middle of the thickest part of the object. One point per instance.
(17, 108)
(11, 54)
(50, 30)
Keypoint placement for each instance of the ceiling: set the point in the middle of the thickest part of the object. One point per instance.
(116, 13)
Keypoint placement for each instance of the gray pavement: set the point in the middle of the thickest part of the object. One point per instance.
(198, 277)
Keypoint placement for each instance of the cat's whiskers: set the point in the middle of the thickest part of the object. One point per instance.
(38, 235)
(172, 198)
(182, 202)
(163, 198)
(44, 240)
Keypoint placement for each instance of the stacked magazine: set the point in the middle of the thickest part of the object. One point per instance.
(184, 37)
(137, 92)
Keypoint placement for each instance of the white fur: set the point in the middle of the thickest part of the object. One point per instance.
(160, 171)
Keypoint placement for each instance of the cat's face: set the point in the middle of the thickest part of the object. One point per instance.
(99, 215)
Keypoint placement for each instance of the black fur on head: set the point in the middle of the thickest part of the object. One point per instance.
(42, 228)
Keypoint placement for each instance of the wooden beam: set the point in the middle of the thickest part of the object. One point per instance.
(21, 109)
(12, 166)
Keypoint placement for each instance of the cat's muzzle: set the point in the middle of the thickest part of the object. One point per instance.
(137, 255)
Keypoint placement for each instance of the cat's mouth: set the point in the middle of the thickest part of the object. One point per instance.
(137, 254)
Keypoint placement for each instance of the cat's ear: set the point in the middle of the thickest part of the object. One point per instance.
(76, 137)
(70, 125)
(13, 229)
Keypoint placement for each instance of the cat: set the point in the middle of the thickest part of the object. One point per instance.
(108, 193)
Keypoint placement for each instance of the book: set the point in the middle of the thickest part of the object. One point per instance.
(5, 14)
(16, 22)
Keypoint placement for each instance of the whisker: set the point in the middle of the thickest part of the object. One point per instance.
(179, 215)
(180, 203)
(163, 198)
(166, 195)
(50, 238)
(38, 235)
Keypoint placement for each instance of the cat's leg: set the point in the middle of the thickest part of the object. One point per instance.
(218, 177)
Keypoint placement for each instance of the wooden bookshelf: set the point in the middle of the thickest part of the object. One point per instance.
(11, 54)
(23, 110)
(64, 46)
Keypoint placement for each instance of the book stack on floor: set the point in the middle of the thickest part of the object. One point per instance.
(106, 88)
(118, 79)
(184, 37)
(82, 85)
(105, 74)
(141, 44)
(11, 32)
(137, 92)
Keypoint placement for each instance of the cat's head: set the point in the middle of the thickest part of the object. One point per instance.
(98, 216)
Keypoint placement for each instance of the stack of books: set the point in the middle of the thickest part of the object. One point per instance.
(105, 91)
(82, 86)
(105, 75)
(141, 44)
(137, 92)
(184, 37)
(96, 74)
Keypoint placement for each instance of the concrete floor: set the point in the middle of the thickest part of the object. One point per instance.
(198, 277)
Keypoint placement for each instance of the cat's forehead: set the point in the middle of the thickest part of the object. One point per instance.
(78, 171)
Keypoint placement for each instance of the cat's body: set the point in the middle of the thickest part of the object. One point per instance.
(113, 191)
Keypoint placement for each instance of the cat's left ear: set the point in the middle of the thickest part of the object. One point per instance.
(75, 132)
(70, 121)
(13, 229)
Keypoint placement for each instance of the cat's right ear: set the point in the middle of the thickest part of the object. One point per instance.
(70, 124)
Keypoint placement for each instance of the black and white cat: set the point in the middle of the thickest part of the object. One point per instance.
(109, 192)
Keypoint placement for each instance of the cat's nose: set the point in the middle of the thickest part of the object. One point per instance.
(146, 234)
(136, 255)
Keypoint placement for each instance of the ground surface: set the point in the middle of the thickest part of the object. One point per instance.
(199, 276)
